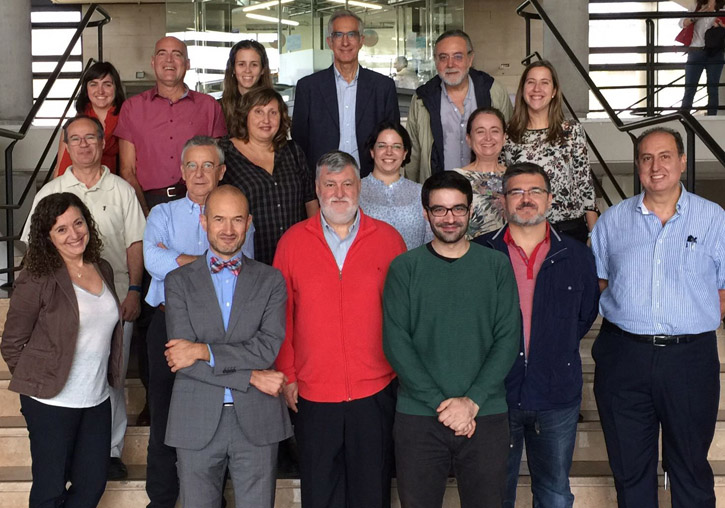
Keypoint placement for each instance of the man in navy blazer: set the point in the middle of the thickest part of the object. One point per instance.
(337, 108)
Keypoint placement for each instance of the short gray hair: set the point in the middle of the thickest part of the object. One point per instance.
(455, 33)
(344, 13)
(335, 162)
(203, 141)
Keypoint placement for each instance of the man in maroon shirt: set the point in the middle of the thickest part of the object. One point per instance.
(154, 125)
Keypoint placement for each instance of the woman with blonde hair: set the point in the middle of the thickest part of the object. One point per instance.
(539, 133)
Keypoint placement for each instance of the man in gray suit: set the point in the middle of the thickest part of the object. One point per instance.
(225, 315)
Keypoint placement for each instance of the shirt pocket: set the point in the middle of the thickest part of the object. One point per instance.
(695, 260)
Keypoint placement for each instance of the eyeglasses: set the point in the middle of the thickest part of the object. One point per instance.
(91, 139)
(398, 147)
(353, 34)
(442, 211)
(456, 57)
(534, 192)
(206, 167)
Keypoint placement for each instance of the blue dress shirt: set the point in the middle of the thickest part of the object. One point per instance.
(176, 225)
(662, 280)
(346, 98)
(340, 246)
(225, 282)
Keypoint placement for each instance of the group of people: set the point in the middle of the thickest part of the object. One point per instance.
(413, 297)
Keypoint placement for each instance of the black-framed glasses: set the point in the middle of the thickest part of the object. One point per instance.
(91, 139)
(442, 211)
(534, 192)
(352, 34)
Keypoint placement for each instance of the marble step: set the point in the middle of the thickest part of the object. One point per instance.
(591, 484)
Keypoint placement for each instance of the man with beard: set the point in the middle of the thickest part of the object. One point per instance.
(440, 109)
(559, 295)
(225, 322)
(339, 384)
(450, 330)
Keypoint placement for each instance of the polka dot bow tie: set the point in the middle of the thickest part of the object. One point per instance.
(235, 265)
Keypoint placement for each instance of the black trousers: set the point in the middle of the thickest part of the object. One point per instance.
(576, 228)
(640, 387)
(346, 451)
(162, 482)
(426, 450)
(67, 445)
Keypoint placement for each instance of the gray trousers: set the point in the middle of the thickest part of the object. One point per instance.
(253, 469)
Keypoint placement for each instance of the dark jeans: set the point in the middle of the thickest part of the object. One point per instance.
(162, 482)
(697, 61)
(549, 437)
(575, 228)
(425, 450)
(640, 387)
(67, 445)
(346, 451)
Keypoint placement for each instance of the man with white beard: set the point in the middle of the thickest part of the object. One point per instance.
(440, 109)
(339, 383)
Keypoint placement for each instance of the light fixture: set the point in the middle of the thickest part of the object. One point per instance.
(273, 20)
(264, 5)
(355, 3)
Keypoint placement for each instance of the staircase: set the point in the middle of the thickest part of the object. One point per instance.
(591, 479)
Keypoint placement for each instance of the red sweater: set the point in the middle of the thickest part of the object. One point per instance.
(333, 345)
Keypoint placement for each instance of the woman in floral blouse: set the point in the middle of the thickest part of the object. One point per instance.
(485, 134)
(539, 133)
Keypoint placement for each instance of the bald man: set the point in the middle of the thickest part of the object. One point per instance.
(226, 410)
(154, 125)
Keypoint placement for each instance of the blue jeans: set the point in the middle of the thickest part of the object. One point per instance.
(697, 61)
(549, 437)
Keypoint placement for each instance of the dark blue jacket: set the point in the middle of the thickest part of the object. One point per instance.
(430, 94)
(316, 118)
(566, 302)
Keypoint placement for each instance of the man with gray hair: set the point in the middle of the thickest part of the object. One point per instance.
(440, 109)
(364, 98)
(339, 383)
(174, 237)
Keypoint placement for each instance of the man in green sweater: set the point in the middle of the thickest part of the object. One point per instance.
(451, 330)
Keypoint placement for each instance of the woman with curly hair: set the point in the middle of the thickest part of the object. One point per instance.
(101, 96)
(247, 67)
(63, 343)
(270, 169)
(539, 133)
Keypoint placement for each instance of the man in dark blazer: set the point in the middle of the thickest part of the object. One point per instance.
(225, 315)
(337, 108)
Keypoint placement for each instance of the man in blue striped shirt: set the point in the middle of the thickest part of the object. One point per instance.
(661, 263)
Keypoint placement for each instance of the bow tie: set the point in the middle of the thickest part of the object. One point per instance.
(234, 265)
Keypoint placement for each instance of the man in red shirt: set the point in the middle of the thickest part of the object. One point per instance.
(154, 125)
(339, 382)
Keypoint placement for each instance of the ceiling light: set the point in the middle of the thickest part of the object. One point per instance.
(273, 20)
(355, 3)
(264, 5)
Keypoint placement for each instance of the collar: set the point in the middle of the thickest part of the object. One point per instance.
(376, 181)
(509, 239)
(469, 93)
(187, 94)
(190, 205)
(104, 183)
(681, 205)
(338, 76)
(326, 226)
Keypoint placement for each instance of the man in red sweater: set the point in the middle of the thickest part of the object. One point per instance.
(338, 380)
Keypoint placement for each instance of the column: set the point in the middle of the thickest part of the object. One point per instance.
(16, 85)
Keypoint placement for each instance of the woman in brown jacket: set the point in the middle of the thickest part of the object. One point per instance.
(63, 346)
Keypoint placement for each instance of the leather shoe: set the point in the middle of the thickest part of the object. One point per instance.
(116, 469)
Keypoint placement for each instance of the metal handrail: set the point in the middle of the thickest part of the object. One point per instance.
(10, 206)
(692, 126)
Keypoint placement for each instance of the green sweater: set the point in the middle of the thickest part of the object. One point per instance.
(451, 329)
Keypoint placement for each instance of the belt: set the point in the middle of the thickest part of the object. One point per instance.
(228, 404)
(655, 340)
(175, 190)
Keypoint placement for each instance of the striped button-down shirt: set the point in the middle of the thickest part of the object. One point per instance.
(661, 279)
